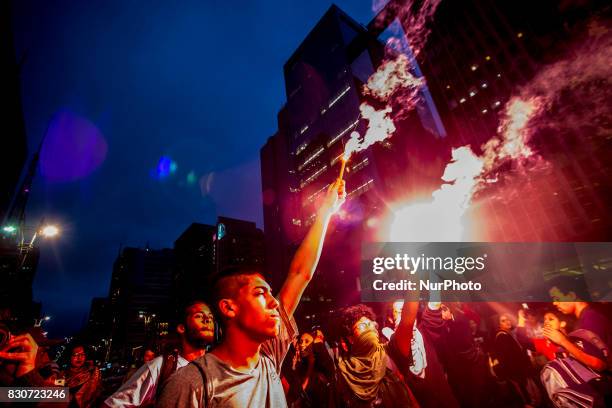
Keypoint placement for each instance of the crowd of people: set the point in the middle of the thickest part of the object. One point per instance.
(427, 354)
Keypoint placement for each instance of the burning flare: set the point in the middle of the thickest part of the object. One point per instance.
(440, 219)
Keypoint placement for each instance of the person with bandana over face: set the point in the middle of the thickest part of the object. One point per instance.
(366, 365)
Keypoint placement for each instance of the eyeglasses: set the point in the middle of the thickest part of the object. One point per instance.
(363, 326)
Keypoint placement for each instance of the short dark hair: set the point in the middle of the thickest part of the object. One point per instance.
(184, 314)
(227, 284)
(73, 346)
(348, 316)
(567, 284)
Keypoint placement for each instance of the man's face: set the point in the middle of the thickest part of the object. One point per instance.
(565, 307)
(505, 323)
(305, 341)
(257, 311)
(77, 358)
(148, 356)
(558, 295)
(199, 324)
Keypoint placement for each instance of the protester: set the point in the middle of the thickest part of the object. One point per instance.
(514, 365)
(196, 332)
(364, 376)
(540, 345)
(426, 377)
(582, 377)
(147, 356)
(244, 369)
(311, 376)
(463, 359)
(82, 379)
(589, 343)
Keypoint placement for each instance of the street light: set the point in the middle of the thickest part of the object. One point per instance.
(49, 231)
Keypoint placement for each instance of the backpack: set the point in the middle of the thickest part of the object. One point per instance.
(569, 383)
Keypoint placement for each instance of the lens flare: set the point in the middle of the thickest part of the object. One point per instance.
(73, 148)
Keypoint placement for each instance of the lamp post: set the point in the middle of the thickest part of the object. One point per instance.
(147, 318)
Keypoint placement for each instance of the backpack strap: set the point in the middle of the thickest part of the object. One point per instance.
(206, 399)
(169, 365)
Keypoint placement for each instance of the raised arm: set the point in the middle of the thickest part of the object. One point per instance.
(307, 255)
(403, 332)
(559, 338)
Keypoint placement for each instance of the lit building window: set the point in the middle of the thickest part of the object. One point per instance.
(362, 188)
(311, 198)
(339, 135)
(310, 219)
(313, 176)
(337, 98)
(360, 165)
(336, 159)
(301, 148)
(311, 158)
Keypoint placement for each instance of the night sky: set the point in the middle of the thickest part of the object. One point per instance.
(154, 113)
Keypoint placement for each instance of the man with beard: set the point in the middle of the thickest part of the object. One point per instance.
(258, 328)
(196, 331)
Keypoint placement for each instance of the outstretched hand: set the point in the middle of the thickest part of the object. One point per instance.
(335, 197)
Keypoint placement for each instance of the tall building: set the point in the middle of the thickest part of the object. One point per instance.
(140, 298)
(204, 250)
(323, 81)
(194, 253)
(238, 243)
(477, 56)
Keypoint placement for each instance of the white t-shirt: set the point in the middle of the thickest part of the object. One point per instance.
(141, 387)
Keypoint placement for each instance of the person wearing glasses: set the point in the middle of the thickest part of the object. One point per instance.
(82, 379)
(365, 377)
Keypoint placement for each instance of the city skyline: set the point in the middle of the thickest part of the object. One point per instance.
(87, 69)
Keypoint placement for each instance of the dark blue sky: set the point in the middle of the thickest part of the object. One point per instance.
(199, 82)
